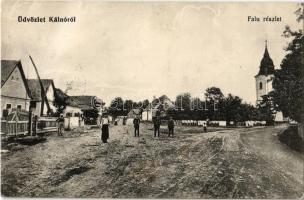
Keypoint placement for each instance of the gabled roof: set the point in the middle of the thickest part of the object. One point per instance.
(266, 66)
(35, 88)
(7, 68)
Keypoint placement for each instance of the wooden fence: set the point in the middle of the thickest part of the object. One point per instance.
(21, 127)
(13, 127)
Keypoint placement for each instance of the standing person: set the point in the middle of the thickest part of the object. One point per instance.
(124, 120)
(171, 127)
(205, 127)
(60, 121)
(136, 123)
(156, 123)
(35, 124)
(105, 129)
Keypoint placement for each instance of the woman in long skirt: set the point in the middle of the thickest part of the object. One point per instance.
(105, 129)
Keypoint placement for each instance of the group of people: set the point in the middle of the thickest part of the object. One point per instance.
(136, 123)
(156, 124)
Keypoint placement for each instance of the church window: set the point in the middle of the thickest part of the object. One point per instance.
(261, 85)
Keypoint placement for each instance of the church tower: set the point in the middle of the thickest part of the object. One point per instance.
(263, 80)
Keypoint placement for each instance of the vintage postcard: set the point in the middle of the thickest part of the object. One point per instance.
(104, 99)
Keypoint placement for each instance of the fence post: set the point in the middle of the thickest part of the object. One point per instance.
(16, 123)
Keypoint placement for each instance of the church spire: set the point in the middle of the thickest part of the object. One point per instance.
(266, 66)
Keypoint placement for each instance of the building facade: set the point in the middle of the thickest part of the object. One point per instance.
(14, 89)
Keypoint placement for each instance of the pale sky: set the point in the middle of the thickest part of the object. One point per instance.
(138, 50)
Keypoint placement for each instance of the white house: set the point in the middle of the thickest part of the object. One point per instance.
(73, 116)
(15, 92)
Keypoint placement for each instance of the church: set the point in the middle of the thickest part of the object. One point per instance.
(264, 78)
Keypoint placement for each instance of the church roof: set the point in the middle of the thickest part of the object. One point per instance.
(266, 66)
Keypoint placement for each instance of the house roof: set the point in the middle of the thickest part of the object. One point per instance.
(35, 88)
(266, 66)
(84, 102)
(7, 68)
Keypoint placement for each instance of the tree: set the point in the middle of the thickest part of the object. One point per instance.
(213, 94)
(288, 81)
(90, 116)
(232, 108)
(60, 101)
(267, 109)
(145, 104)
(117, 107)
(129, 105)
(183, 101)
(214, 103)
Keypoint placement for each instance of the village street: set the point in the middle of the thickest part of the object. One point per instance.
(223, 163)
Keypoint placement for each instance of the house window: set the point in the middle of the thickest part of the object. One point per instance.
(69, 114)
(261, 85)
(77, 115)
(19, 107)
(8, 106)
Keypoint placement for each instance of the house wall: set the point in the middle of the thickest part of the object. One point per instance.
(146, 115)
(13, 92)
(72, 120)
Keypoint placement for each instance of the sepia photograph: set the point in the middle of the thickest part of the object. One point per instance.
(152, 99)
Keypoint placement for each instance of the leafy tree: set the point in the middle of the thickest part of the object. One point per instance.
(183, 101)
(145, 104)
(232, 108)
(60, 101)
(129, 105)
(90, 116)
(214, 94)
(288, 81)
(267, 109)
(117, 107)
(214, 103)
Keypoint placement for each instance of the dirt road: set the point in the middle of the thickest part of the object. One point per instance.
(223, 163)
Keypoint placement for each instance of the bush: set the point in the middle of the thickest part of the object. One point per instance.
(291, 138)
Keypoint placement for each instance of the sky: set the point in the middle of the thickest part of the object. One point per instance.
(138, 50)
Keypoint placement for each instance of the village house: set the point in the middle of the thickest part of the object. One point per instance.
(73, 115)
(77, 105)
(15, 93)
(42, 106)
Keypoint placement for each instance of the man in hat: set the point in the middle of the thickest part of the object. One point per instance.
(60, 121)
(171, 127)
(136, 123)
(156, 122)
